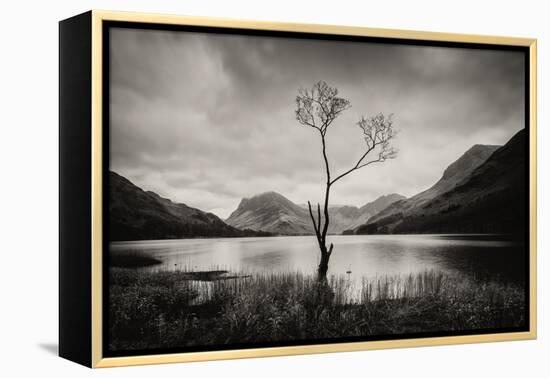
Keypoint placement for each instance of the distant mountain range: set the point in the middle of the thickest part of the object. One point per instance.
(482, 192)
(366, 212)
(135, 214)
(275, 213)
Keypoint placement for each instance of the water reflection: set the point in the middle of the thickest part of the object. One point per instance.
(366, 256)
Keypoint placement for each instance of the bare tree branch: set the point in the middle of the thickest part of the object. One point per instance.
(378, 132)
(313, 219)
(319, 218)
(319, 106)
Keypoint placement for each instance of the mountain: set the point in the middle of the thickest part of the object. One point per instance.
(373, 208)
(273, 212)
(135, 214)
(453, 174)
(482, 192)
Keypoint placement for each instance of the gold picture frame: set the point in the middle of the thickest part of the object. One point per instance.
(96, 359)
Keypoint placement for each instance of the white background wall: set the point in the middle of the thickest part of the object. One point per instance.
(28, 210)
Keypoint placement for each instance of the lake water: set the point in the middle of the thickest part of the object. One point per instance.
(366, 256)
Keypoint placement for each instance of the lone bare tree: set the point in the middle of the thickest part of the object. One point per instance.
(318, 107)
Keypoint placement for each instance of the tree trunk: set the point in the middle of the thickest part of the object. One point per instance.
(323, 263)
(325, 254)
(321, 228)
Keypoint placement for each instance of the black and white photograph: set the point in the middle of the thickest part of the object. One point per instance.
(272, 189)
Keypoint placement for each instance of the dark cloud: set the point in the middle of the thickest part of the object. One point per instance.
(207, 119)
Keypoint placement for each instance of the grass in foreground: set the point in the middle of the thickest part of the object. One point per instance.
(168, 309)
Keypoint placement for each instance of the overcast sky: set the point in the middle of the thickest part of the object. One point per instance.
(208, 119)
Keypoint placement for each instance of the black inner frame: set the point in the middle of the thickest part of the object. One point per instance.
(106, 25)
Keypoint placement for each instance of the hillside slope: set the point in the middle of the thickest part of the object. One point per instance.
(489, 199)
(271, 212)
(135, 214)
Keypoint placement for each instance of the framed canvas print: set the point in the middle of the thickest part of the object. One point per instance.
(235, 189)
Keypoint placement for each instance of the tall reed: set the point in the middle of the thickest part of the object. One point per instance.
(166, 309)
